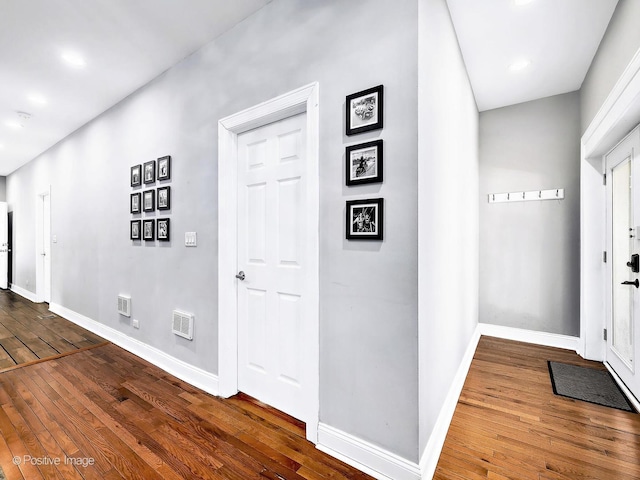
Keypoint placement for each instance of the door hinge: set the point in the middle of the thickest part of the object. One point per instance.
(604, 256)
(604, 178)
(604, 334)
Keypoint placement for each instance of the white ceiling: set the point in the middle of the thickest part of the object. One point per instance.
(126, 43)
(558, 37)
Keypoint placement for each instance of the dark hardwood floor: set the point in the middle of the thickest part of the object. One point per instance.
(509, 425)
(103, 413)
(30, 333)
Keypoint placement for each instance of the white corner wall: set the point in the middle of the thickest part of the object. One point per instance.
(447, 220)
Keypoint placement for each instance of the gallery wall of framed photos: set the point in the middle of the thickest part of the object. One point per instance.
(153, 194)
(364, 112)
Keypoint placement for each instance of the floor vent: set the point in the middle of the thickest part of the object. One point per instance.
(124, 305)
(47, 317)
(183, 324)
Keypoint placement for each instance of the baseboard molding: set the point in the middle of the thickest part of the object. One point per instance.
(530, 336)
(193, 375)
(431, 454)
(24, 293)
(369, 458)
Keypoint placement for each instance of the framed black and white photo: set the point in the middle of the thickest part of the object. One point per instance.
(149, 200)
(364, 110)
(150, 171)
(164, 168)
(163, 229)
(148, 229)
(136, 175)
(135, 203)
(364, 163)
(365, 219)
(134, 230)
(164, 198)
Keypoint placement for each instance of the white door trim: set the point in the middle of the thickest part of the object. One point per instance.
(304, 99)
(40, 286)
(618, 115)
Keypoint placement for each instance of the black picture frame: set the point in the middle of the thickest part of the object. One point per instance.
(148, 229)
(364, 163)
(164, 198)
(149, 172)
(148, 200)
(163, 229)
(365, 219)
(136, 175)
(364, 111)
(164, 168)
(135, 203)
(134, 230)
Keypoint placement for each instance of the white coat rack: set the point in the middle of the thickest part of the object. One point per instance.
(553, 194)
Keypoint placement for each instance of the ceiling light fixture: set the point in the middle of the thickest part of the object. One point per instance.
(37, 99)
(519, 65)
(74, 59)
(521, 3)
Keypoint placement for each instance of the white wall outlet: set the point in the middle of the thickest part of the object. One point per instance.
(27, 283)
(135, 323)
(190, 239)
(55, 239)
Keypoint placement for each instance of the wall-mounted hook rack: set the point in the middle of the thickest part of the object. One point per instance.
(553, 194)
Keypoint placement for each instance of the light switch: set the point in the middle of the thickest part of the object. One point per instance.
(190, 239)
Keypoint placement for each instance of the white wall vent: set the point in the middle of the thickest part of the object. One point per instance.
(183, 324)
(124, 305)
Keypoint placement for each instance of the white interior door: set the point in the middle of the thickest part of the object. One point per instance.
(4, 245)
(623, 226)
(271, 303)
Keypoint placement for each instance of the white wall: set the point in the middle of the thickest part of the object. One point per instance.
(368, 290)
(448, 210)
(530, 251)
(619, 44)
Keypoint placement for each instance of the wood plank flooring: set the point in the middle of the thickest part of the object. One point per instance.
(30, 333)
(509, 425)
(120, 417)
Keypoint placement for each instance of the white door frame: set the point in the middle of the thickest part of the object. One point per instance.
(40, 277)
(304, 99)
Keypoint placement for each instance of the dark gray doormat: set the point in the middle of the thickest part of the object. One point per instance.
(587, 384)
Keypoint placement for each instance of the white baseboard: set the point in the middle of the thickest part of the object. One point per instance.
(193, 375)
(24, 293)
(530, 336)
(431, 454)
(369, 458)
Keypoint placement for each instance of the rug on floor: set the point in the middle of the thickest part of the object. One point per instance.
(587, 384)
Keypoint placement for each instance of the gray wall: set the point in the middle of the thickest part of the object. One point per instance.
(529, 251)
(368, 290)
(3, 189)
(448, 213)
(619, 44)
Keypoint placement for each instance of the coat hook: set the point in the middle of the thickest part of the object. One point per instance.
(539, 193)
(556, 192)
(523, 195)
(508, 194)
(494, 197)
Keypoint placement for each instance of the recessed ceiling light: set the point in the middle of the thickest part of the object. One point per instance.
(519, 65)
(521, 3)
(74, 59)
(37, 99)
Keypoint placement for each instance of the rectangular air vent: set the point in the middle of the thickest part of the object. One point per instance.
(183, 324)
(124, 305)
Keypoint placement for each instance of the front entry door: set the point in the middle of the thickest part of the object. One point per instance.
(272, 366)
(624, 269)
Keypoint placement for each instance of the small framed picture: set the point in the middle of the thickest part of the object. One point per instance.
(164, 198)
(150, 171)
(163, 229)
(135, 203)
(149, 200)
(364, 110)
(136, 175)
(134, 230)
(364, 163)
(148, 229)
(365, 219)
(164, 168)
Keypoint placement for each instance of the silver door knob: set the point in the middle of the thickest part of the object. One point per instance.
(240, 275)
